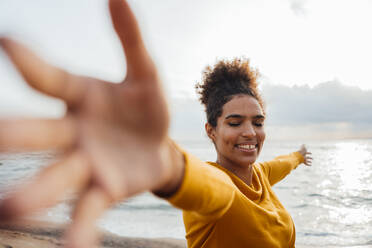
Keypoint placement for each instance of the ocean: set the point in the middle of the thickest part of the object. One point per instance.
(330, 202)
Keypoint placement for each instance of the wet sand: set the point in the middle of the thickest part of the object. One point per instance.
(34, 234)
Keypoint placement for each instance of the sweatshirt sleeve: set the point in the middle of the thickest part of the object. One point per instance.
(205, 189)
(281, 166)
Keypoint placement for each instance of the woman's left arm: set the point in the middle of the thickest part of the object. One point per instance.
(281, 166)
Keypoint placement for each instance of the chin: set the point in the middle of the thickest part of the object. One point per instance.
(246, 158)
(251, 161)
(247, 161)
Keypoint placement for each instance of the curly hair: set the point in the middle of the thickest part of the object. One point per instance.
(225, 80)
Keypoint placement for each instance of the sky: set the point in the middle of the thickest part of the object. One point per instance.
(317, 53)
(329, 110)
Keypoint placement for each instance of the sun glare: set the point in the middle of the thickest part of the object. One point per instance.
(350, 162)
(350, 168)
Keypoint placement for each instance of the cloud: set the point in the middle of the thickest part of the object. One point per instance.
(298, 7)
(329, 102)
(328, 110)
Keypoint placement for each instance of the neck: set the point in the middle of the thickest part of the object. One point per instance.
(245, 173)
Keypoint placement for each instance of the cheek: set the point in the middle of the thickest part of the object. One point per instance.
(225, 137)
(229, 137)
(261, 135)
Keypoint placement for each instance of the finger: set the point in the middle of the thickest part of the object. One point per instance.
(139, 63)
(42, 76)
(47, 188)
(82, 232)
(37, 134)
(309, 153)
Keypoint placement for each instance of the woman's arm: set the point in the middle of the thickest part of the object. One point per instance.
(175, 178)
(205, 190)
(281, 166)
(113, 137)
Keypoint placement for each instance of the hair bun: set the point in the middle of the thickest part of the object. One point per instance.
(224, 80)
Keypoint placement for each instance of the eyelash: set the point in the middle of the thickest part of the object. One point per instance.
(237, 124)
(234, 124)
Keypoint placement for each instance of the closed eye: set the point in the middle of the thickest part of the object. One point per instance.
(234, 124)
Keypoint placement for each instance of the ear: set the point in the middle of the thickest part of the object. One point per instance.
(211, 132)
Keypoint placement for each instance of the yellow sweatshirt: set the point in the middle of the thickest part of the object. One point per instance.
(220, 210)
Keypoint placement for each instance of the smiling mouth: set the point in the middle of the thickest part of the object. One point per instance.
(247, 147)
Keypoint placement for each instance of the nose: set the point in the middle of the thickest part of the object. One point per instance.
(248, 131)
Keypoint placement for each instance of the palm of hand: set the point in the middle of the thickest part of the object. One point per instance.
(118, 141)
(111, 134)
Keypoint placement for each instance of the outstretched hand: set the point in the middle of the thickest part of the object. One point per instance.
(308, 158)
(114, 136)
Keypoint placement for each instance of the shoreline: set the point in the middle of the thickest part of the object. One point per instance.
(30, 234)
(42, 234)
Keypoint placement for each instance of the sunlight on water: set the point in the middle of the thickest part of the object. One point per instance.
(330, 202)
(350, 216)
(349, 163)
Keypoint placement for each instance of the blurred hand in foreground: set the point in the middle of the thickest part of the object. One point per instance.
(114, 136)
(308, 158)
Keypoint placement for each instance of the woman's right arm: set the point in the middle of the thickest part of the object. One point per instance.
(203, 188)
(113, 140)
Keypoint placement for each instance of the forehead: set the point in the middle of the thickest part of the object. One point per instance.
(242, 105)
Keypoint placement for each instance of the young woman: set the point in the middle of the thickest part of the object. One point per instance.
(115, 145)
(230, 203)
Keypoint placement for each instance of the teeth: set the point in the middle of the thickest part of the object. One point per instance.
(247, 146)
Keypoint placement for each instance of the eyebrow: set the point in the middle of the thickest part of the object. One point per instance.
(241, 116)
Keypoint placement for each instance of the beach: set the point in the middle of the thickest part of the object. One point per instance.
(32, 234)
(329, 202)
(46, 234)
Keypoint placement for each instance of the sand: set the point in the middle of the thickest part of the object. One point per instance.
(34, 234)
